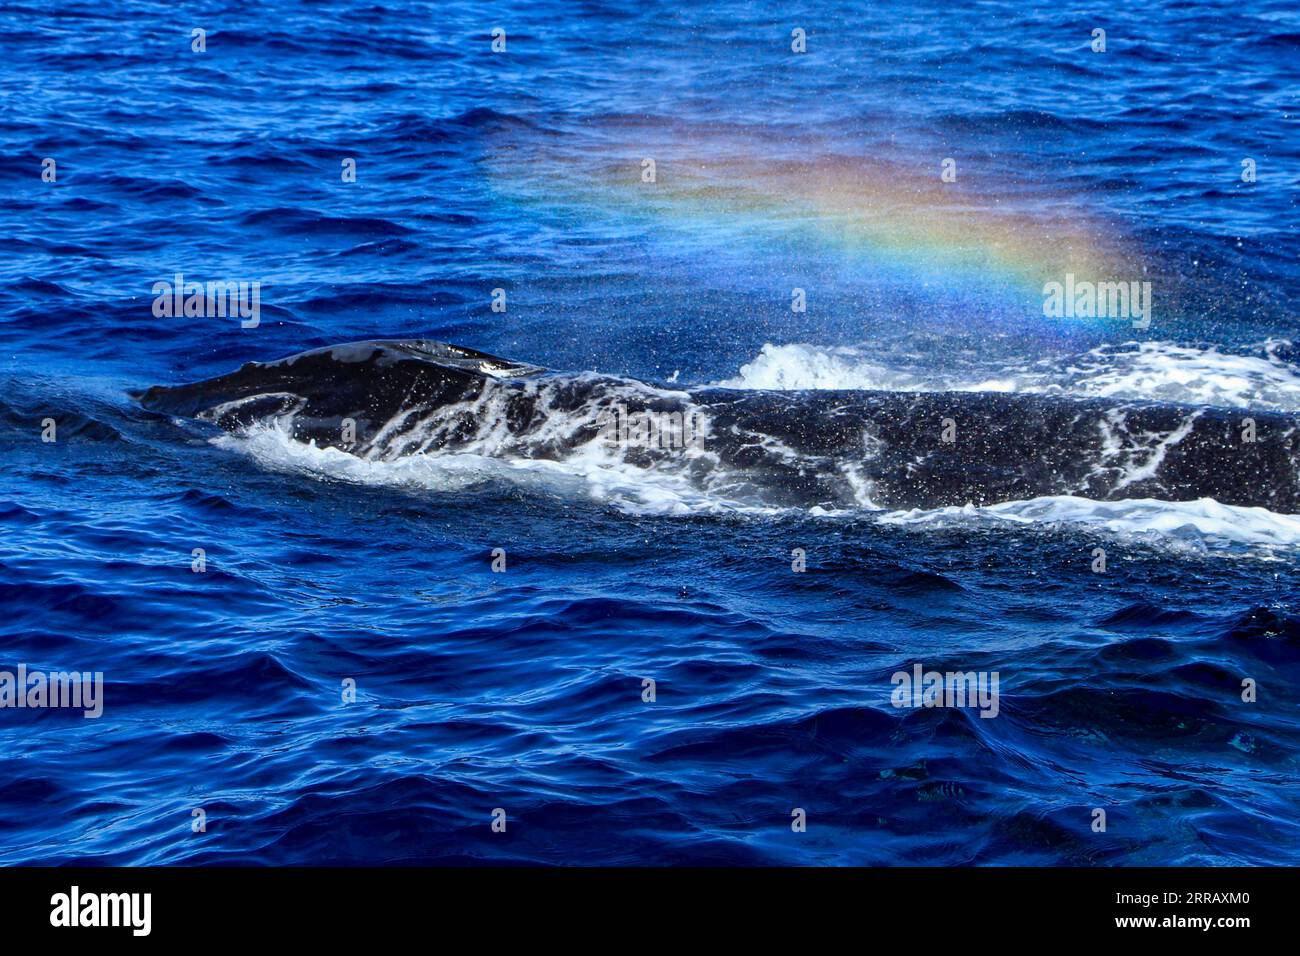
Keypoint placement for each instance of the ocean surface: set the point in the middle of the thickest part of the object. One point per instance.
(779, 180)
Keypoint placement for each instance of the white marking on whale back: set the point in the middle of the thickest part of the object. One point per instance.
(217, 412)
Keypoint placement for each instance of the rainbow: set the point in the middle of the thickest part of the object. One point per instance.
(866, 218)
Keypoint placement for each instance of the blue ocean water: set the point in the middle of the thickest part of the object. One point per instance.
(1169, 157)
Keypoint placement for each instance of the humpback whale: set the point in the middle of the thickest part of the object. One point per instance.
(383, 400)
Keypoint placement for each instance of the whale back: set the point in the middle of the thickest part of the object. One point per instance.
(386, 400)
(367, 382)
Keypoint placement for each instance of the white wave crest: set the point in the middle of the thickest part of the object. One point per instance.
(1156, 371)
(593, 471)
(1200, 525)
